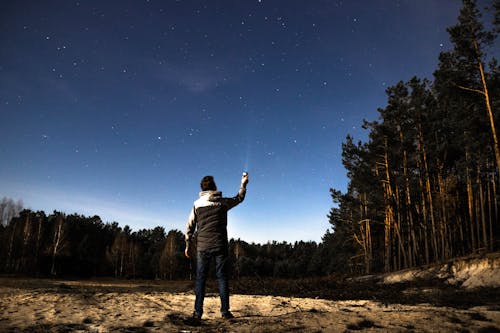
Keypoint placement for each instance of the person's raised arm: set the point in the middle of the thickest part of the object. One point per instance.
(231, 202)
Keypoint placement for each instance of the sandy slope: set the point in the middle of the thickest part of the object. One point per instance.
(31, 305)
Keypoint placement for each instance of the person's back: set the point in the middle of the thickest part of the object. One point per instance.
(211, 215)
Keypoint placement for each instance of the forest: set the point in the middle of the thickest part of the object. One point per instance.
(424, 188)
(35, 244)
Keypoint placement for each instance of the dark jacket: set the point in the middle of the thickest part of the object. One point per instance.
(209, 217)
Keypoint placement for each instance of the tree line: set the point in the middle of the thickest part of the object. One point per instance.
(424, 188)
(36, 244)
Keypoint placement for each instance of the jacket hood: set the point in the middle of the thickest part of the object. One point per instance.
(211, 195)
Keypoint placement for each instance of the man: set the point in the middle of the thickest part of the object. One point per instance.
(209, 217)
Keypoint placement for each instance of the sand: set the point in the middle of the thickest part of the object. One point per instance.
(48, 305)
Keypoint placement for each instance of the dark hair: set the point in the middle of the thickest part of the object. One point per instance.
(208, 184)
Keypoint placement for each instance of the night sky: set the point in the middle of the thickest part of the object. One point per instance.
(119, 108)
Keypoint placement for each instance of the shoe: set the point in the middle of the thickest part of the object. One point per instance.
(195, 320)
(227, 315)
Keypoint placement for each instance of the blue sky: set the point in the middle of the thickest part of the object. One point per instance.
(119, 108)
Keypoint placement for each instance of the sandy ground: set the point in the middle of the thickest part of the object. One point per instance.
(41, 305)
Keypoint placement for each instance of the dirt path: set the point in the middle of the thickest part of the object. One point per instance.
(28, 305)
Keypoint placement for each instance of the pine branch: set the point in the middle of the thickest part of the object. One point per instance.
(470, 89)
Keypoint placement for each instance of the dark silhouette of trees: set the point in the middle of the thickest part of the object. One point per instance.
(78, 246)
(424, 188)
(172, 261)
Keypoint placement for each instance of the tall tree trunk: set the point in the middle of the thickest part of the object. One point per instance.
(367, 233)
(444, 218)
(424, 224)
(237, 258)
(368, 237)
(364, 238)
(397, 229)
(412, 243)
(8, 262)
(481, 208)
(491, 203)
(37, 245)
(431, 205)
(26, 238)
(123, 249)
(389, 211)
(495, 196)
(409, 254)
(462, 233)
(58, 236)
(427, 190)
(172, 254)
(132, 257)
(470, 202)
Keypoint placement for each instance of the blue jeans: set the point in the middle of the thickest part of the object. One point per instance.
(203, 259)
